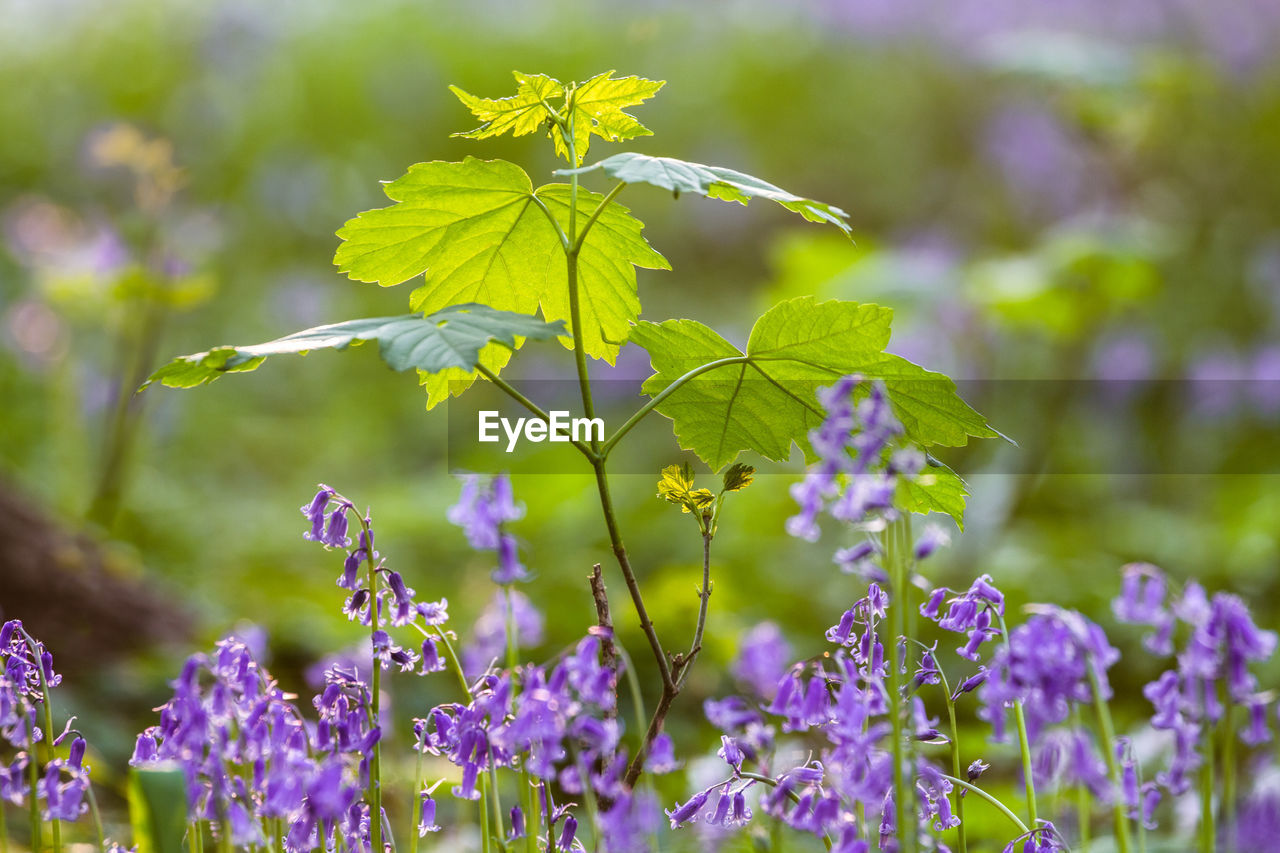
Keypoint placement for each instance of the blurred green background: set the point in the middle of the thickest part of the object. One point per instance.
(1073, 210)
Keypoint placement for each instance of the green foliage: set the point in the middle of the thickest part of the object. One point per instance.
(158, 808)
(676, 486)
(482, 234)
(452, 338)
(738, 476)
(680, 176)
(594, 107)
(763, 399)
(936, 489)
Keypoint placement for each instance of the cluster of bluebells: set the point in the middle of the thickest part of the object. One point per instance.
(558, 727)
(1050, 668)
(861, 461)
(1212, 672)
(27, 672)
(813, 749)
(250, 758)
(482, 511)
(393, 604)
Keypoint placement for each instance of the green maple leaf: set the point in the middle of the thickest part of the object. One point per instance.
(675, 485)
(936, 489)
(763, 399)
(450, 339)
(478, 232)
(597, 107)
(524, 112)
(681, 176)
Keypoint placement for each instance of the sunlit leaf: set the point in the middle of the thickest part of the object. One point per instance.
(452, 338)
(477, 232)
(521, 113)
(738, 476)
(936, 489)
(676, 486)
(763, 399)
(597, 107)
(681, 176)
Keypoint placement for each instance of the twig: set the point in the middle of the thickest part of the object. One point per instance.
(608, 651)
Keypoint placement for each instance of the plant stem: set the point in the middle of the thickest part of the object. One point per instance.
(704, 595)
(1001, 807)
(485, 841)
(595, 214)
(1228, 806)
(1207, 834)
(4, 830)
(791, 795)
(669, 688)
(1024, 745)
(1108, 731)
(33, 774)
(961, 840)
(415, 790)
(1083, 804)
(93, 811)
(55, 827)
(374, 791)
(662, 395)
(896, 562)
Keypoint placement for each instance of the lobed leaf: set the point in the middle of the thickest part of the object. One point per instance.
(521, 113)
(450, 339)
(478, 232)
(680, 176)
(936, 489)
(763, 399)
(675, 485)
(597, 107)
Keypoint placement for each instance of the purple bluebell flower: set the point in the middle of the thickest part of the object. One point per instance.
(482, 511)
(627, 825)
(852, 479)
(662, 756)
(762, 658)
(489, 635)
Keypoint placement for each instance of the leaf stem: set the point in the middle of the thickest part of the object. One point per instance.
(704, 596)
(1207, 833)
(662, 395)
(533, 407)
(1227, 807)
(1083, 804)
(1108, 731)
(595, 214)
(895, 558)
(1020, 719)
(961, 839)
(1001, 807)
(374, 791)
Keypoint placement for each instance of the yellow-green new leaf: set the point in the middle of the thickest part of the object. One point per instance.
(519, 114)
(676, 486)
(597, 107)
